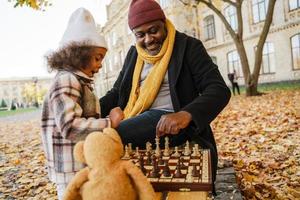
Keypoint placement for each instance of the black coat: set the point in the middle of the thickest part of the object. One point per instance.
(196, 86)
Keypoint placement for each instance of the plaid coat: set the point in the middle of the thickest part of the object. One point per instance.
(70, 112)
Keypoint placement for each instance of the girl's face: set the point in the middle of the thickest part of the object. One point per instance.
(95, 63)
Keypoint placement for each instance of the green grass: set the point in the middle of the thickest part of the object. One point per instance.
(14, 112)
(267, 87)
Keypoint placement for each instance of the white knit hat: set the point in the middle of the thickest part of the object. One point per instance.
(82, 28)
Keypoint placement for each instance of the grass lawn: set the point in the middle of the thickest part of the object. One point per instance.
(14, 112)
(267, 87)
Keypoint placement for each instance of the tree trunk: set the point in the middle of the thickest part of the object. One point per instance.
(250, 80)
(251, 89)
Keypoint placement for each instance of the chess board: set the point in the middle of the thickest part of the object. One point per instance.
(202, 181)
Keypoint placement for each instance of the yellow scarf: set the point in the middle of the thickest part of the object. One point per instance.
(141, 98)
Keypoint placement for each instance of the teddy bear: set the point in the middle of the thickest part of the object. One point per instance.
(106, 176)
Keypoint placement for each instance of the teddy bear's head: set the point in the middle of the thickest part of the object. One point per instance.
(99, 148)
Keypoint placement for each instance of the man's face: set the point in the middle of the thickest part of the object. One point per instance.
(150, 36)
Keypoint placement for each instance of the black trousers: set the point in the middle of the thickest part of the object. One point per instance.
(235, 85)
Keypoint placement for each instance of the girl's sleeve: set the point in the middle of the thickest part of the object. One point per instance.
(64, 101)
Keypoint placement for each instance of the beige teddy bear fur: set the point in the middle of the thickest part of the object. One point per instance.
(106, 176)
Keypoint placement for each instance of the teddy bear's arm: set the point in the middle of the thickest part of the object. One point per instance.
(73, 188)
(143, 186)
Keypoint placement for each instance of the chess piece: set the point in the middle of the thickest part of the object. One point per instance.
(141, 162)
(126, 154)
(187, 149)
(155, 170)
(194, 154)
(157, 149)
(189, 177)
(137, 153)
(197, 149)
(167, 148)
(178, 173)
(195, 172)
(183, 166)
(148, 147)
(166, 169)
(176, 154)
(148, 160)
(160, 160)
(129, 148)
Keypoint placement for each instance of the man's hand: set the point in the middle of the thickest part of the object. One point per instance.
(116, 115)
(173, 123)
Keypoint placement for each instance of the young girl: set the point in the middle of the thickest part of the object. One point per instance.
(71, 110)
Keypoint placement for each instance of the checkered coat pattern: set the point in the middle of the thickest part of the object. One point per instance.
(70, 112)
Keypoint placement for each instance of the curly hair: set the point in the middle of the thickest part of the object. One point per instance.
(72, 57)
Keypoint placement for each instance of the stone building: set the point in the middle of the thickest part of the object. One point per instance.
(281, 54)
(11, 90)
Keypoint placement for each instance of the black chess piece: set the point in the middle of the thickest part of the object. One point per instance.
(148, 160)
(155, 170)
(195, 172)
(166, 169)
(141, 162)
(183, 166)
(178, 173)
(160, 160)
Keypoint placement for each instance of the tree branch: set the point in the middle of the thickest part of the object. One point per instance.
(240, 20)
(263, 36)
(221, 16)
(231, 2)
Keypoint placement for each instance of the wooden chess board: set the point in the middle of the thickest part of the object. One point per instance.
(201, 182)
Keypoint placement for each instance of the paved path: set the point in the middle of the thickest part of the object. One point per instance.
(22, 117)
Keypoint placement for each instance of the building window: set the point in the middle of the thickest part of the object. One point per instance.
(294, 4)
(209, 27)
(234, 63)
(231, 17)
(259, 10)
(295, 40)
(268, 64)
(163, 3)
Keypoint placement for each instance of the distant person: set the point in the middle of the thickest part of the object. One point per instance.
(233, 78)
(168, 86)
(71, 110)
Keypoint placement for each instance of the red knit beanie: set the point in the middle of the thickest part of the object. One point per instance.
(144, 11)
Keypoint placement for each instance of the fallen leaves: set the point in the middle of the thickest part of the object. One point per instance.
(22, 171)
(261, 135)
(258, 135)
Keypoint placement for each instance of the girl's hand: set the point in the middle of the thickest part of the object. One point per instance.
(116, 115)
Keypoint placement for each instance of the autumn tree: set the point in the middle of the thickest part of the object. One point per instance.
(32, 94)
(35, 4)
(250, 78)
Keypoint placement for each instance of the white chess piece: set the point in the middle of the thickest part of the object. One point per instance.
(129, 148)
(148, 147)
(194, 154)
(126, 154)
(197, 149)
(176, 154)
(187, 149)
(157, 149)
(137, 153)
(189, 177)
(167, 149)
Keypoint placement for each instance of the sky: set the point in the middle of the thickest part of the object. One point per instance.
(26, 35)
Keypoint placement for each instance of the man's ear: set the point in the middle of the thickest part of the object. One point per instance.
(78, 152)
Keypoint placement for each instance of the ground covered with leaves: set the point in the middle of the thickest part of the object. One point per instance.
(258, 135)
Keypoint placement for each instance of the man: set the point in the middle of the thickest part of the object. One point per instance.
(168, 85)
(233, 79)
